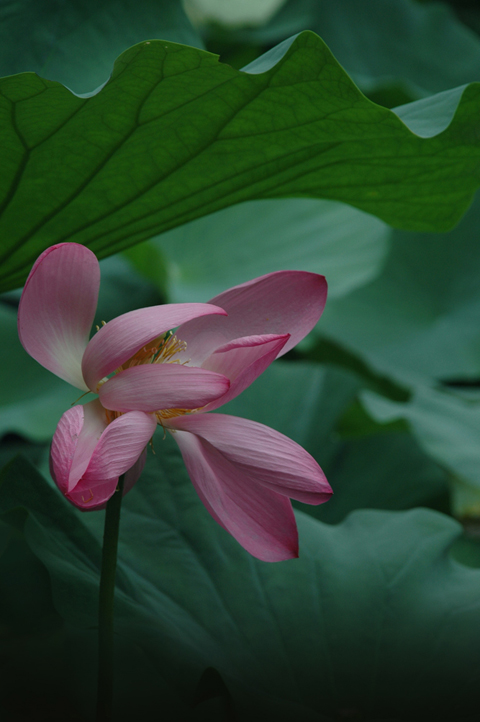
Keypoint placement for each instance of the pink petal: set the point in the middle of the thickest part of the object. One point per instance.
(94, 496)
(242, 361)
(57, 308)
(121, 338)
(74, 441)
(64, 444)
(161, 386)
(278, 303)
(88, 456)
(131, 478)
(261, 455)
(117, 450)
(260, 520)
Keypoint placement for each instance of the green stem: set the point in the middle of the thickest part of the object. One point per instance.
(105, 607)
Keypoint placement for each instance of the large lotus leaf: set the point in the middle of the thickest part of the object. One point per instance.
(10, 446)
(175, 135)
(32, 635)
(447, 426)
(32, 398)
(244, 241)
(76, 42)
(58, 535)
(419, 318)
(420, 46)
(374, 617)
(381, 471)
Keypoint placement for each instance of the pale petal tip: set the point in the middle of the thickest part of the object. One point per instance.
(57, 308)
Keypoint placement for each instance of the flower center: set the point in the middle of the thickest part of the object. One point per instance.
(161, 350)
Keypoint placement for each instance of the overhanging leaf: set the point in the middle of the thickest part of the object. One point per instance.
(175, 135)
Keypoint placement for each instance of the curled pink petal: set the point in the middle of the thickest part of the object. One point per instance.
(57, 308)
(74, 441)
(161, 386)
(131, 478)
(261, 455)
(88, 456)
(64, 444)
(117, 341)
(259, 519)
(118, 449)
(119, 446)
(242, 361)
(93, 496)
(278, 303)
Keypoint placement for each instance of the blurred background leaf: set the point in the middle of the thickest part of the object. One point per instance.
(77, 42)
(400, 50)
(418, 320)
(232, 13)
(448, 427)
(225, 248)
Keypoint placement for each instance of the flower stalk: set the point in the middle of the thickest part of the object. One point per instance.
(106, 605)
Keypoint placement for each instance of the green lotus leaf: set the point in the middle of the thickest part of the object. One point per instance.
(175, 135)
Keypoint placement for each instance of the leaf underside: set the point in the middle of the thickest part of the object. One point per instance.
(175, 135)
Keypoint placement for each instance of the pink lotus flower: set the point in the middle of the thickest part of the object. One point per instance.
(243, 471)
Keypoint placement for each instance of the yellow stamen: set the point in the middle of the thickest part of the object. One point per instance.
(165, 414)
(170, 347)
(112, 415)
(161, 350)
